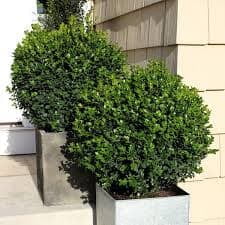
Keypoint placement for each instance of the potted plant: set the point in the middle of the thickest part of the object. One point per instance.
(50, 69)
(141, 134)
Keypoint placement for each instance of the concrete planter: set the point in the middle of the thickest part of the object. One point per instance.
(151, 211)
(56, 186)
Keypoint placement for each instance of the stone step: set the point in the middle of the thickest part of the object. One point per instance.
(16, 139)
(20, 203)
(60, 216)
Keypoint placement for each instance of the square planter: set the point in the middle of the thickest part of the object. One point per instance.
(56, 186)
(172, 210)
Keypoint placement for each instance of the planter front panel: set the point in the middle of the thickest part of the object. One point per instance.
(160, 211)
(152, 211)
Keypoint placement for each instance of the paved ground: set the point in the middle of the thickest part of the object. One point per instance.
(18, 189)
(20, 200)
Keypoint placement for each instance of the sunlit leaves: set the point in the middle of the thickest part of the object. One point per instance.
(141, 131)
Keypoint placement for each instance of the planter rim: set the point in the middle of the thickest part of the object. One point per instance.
(46, 133)
(184, 193)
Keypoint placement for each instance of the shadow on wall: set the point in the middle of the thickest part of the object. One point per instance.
(138, 29)
(143, 34)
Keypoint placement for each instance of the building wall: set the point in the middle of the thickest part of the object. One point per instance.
(15, 17)
(189, 35)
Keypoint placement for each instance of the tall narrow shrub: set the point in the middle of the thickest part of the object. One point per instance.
(60, 11)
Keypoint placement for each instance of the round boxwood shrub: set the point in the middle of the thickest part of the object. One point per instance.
(50, 68)
(142, 132)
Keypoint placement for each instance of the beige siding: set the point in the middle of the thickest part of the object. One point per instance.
(222, 147)
(207, 199)
(216, 21)
(192, 22)
(168, 22)
(218, 221)
(212, 164)
(189, 35)
(215, 100)
(202, 66)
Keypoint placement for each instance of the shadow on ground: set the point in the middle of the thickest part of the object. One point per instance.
(78, 178)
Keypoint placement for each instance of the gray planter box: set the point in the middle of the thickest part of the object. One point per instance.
(150, 211)
(57, 187)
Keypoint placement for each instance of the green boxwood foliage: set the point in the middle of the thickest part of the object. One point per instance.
(58, 12)
(140, 133)
(50, 68)
(41, 6)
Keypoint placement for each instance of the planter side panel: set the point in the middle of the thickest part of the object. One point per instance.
(105, 208)
(57, 186)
